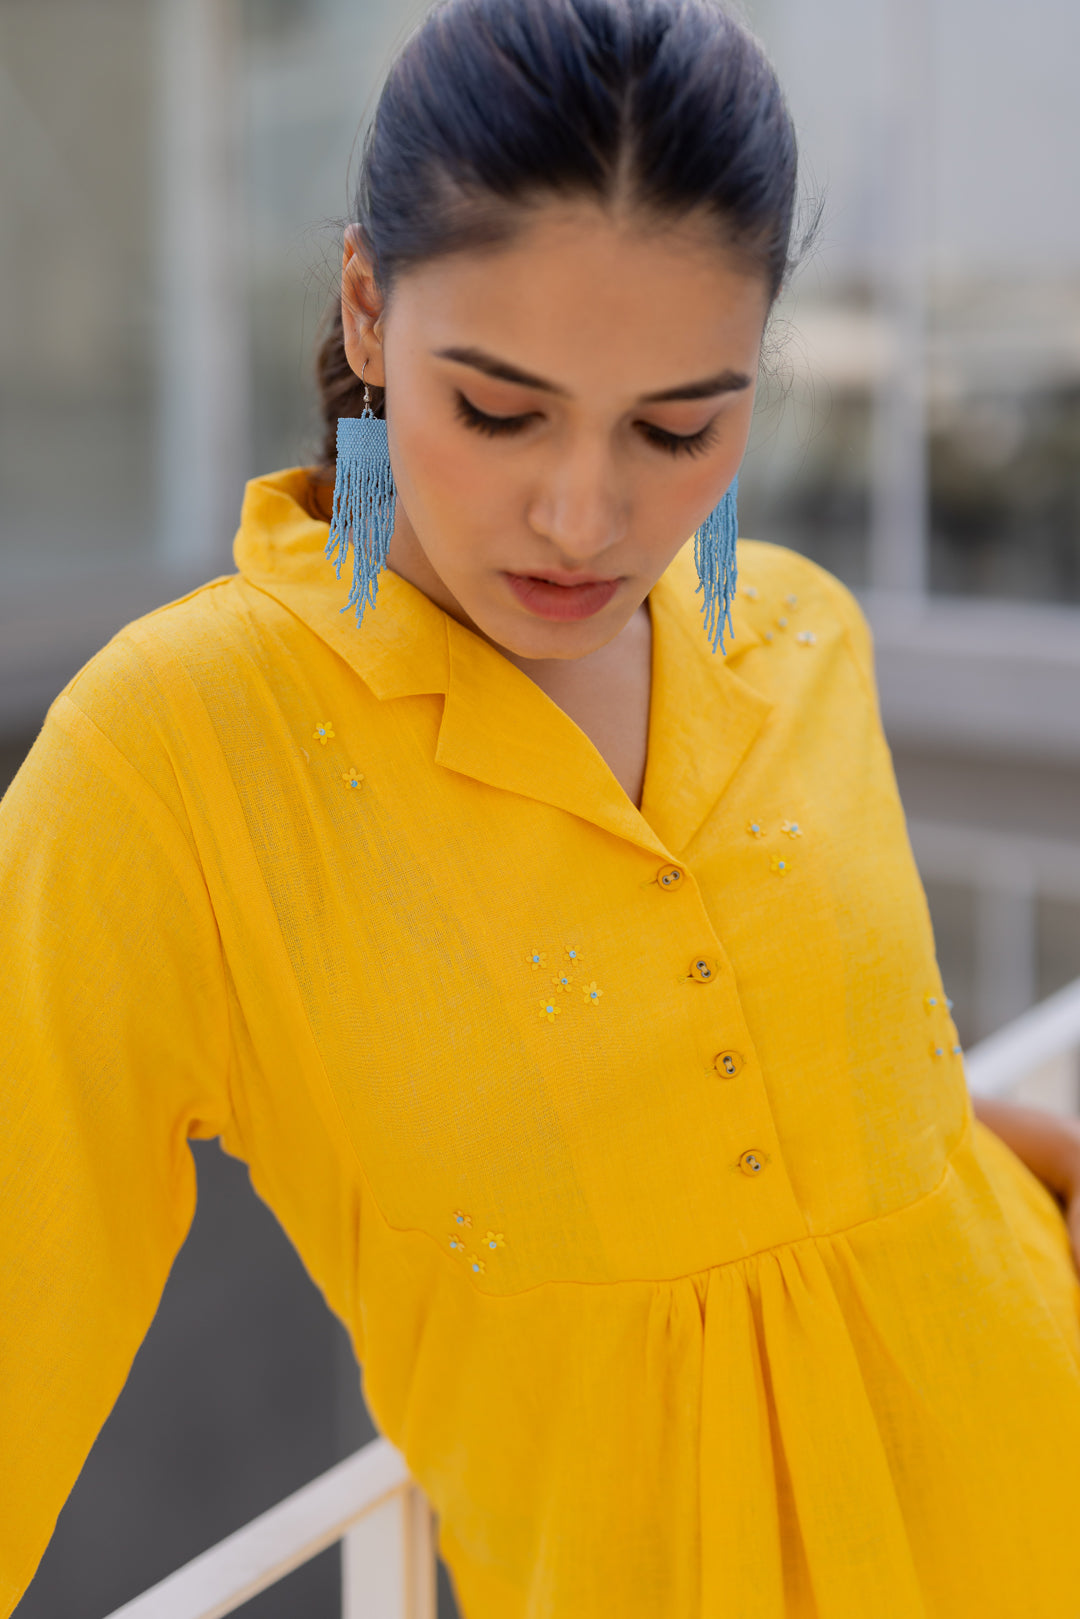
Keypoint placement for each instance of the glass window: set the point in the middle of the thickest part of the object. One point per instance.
(944, 136)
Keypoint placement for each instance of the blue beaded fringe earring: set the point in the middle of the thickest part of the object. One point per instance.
(363, 503)
(714, 554)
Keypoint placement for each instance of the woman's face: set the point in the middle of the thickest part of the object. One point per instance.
(561, 410)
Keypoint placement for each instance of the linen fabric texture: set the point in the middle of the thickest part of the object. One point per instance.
(635, 1374)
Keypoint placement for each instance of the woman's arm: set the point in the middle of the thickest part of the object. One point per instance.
(114, 1041)
(1050, 1147)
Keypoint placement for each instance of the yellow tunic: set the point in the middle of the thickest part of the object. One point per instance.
(634, 1148)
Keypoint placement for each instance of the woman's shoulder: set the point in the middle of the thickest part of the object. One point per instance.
(145, 696)
(775, 573)
(781, 590)
(120, 743)
(126, 683)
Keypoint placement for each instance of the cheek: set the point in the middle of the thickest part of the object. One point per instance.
(714, 477)
(445, 481)
(695, 483)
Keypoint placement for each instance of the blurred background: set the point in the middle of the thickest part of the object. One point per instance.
(172, 188)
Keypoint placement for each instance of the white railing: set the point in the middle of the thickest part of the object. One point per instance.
(382, 1519)
(1036, 1057)
(368, 1502)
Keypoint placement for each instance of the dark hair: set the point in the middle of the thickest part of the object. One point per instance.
(669, 106)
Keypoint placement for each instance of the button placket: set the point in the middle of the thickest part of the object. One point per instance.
(733, 1104)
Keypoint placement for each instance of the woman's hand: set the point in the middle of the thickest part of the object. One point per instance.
(1050, 1147)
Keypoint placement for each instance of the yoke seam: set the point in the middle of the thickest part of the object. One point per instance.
(813, 1237)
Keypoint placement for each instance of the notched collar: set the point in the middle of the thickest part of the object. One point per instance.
(497, 725)
(500, 728)
(703, 718)
(400, 650)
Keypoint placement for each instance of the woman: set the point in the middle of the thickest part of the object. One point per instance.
(560, 971)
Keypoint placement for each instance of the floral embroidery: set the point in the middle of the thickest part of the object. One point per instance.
(562, 983)
(781, 623)
(351, 778)
(751, 592)
(792, 601)
(806, 638)
(930, 1001)
(323, 733)
(779, 865)
(549, 1010)
(476, 1264)
(755, 829)
(462, 1219)
(591, 993)
(457, 1245)
(536, 958)
(574, 954)
(495, 1239)
(792, 828)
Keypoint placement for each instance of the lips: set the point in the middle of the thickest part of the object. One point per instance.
(569, 581)
(547, 597)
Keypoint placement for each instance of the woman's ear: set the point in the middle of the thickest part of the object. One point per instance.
(361, 309)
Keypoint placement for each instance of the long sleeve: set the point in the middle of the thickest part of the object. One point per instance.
(114, 1050)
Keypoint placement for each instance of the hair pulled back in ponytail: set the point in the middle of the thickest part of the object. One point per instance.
(669, 107)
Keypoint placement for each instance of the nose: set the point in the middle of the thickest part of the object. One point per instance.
(579, 505)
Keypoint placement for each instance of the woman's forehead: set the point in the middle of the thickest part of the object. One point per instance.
(574, 288)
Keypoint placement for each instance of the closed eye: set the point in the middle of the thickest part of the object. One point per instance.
(504, 426)
(680, 443)
(493, 426)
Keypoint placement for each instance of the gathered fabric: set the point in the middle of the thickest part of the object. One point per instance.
(632, 1145)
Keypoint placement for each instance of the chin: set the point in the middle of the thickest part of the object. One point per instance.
(554, 641)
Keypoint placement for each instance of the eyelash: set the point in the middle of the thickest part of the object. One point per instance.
(680, 443)
(492, 426)
(498, 426)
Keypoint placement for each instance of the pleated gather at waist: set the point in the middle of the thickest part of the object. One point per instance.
(884, 1420)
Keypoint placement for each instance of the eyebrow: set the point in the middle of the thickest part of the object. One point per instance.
(704, 388)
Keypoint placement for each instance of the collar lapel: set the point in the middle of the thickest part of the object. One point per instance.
(400, 649)
(702, 718)
(497, 725)
(500, 728)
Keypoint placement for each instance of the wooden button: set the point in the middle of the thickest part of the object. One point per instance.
(728, 1063)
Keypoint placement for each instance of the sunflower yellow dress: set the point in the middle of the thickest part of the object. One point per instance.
(633, 1147)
